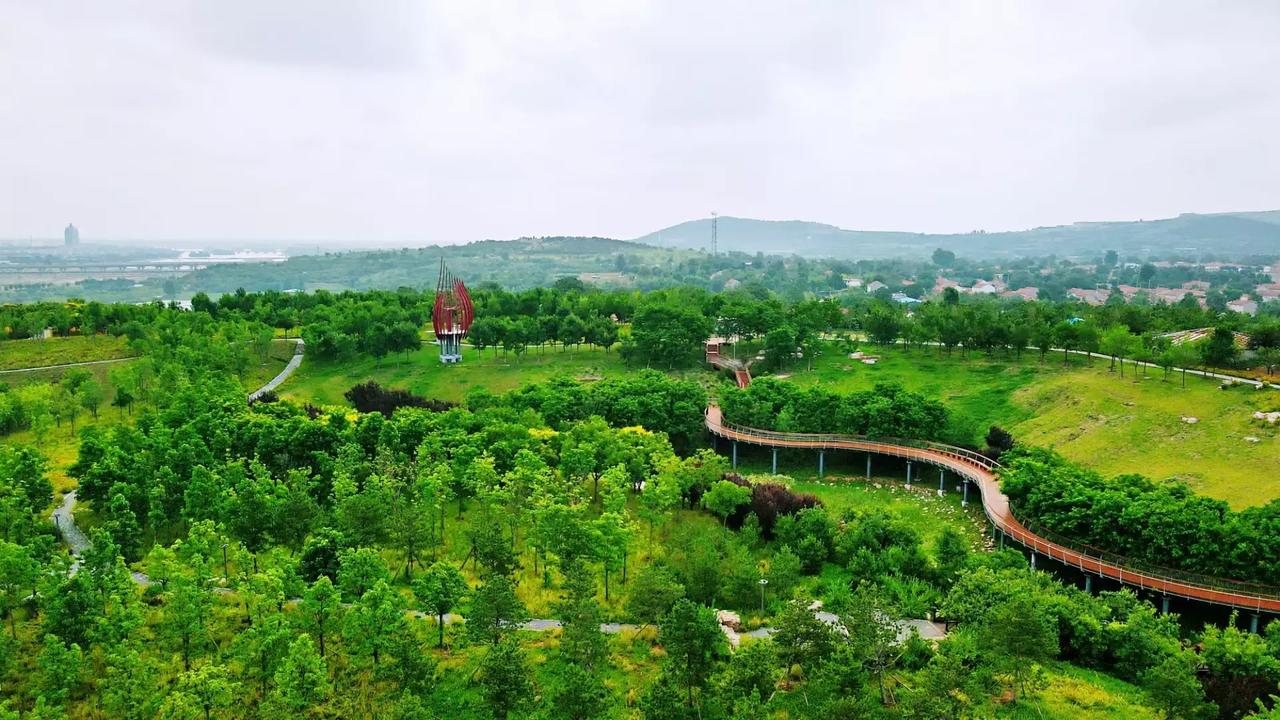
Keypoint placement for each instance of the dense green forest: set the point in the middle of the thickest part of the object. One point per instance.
(559, 551)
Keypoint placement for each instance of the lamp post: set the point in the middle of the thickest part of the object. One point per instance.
(763, 582)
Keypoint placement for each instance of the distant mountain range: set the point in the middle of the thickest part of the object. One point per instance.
(1234, 234)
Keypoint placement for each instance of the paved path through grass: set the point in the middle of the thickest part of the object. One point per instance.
(298, 348)
(67, 365)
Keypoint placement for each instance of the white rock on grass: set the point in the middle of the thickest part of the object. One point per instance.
(1190, 420)
(729, 619)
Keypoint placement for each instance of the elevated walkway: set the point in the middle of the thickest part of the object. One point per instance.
(984, 474)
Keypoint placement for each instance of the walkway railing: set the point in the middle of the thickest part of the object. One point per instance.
(1142, 569)
(835, 440)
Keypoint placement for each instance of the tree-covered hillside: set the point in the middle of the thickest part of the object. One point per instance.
(1226, 234)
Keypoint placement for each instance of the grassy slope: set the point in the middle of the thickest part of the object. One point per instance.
(1078, 694)
(421, 372)
(58, 444)
(59, 350)
(259, 373)
(1091, 415)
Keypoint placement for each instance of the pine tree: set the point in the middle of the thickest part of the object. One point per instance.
(582, 643)
(691, 636)
(505, 679)
(495, 611)
(62, 668)
(186, 612)
(371, 624)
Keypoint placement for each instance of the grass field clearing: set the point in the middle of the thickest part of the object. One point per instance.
(59, 350)
(1089, 413)
(1075, 693)
(421, 372)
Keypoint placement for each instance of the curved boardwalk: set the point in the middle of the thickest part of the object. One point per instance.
(983, 473)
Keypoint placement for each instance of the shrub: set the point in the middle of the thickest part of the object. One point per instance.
(370, 397)
(999, 441)
(1160, 523)
(269, 396)
(768, 502)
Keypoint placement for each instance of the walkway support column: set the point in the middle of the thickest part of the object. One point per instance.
(964, 502)
(868, 466)
(1164, 605)
(1253, 623)
(1088, 584)
(735, 454)
(821, 453)
(1033, 559)
(908, 474)
(942, 476)
(775, 461)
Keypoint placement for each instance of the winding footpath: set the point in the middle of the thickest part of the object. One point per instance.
(64, 519)
(984, 474)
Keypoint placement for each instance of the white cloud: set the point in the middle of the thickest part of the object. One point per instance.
(401, 122)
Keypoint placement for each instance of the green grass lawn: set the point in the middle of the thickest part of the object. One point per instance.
(920, 506)
(58, 444)
(1089, 413)
(59, 350)
(259, 373)
(324, 382)
(1075, 693)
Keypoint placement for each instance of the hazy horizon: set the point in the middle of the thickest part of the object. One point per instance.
(409, 124)
(332, 244)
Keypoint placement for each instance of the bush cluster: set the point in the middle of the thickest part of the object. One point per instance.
(769, 501)
(887, 410)
(371, 397)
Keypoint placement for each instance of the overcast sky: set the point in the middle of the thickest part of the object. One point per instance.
(408, 123)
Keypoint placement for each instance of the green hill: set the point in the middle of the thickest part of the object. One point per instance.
(1222, 234)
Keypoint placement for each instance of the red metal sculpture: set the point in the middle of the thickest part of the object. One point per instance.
(452, 315)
